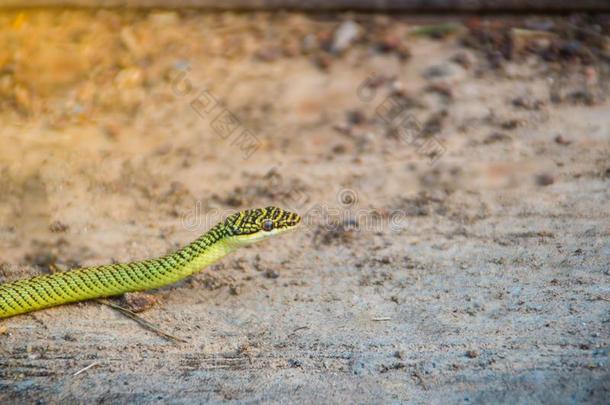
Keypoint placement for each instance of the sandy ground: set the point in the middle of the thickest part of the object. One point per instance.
(454, 186)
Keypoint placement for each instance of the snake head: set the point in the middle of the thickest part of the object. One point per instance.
(252, 225)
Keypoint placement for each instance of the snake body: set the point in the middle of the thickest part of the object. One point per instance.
(87, 283)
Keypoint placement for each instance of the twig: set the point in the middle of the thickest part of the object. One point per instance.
(382, 318)
(297, 329)
(142, 322)
(421, 380)
(82, 370)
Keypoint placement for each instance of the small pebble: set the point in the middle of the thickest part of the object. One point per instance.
(139, 302)
(559, 139)
(272, 274)
(234, 289)
(57, 227)
(356, 117)
(544, 179)
(464, 59)
(344, 36)
(295, 363)
(496, 137)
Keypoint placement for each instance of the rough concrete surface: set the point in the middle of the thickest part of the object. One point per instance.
(453, 179)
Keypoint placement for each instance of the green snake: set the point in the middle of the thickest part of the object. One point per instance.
(239, 229)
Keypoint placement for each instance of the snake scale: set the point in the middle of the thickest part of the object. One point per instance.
(239, 229)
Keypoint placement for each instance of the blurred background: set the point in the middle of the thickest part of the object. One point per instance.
(451, 161)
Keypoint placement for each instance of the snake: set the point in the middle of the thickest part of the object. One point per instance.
(237, 230)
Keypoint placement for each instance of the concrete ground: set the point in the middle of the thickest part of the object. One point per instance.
(454, 183)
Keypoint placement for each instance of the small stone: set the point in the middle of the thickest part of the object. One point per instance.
(344, 36)
(272, 274)
(544, 179)
(471, 354)
(560, 140)
(397, 88)
(295, 363)
(527, 103)
(57, 227)
(510, 124)
(234, 289)
(496, 137)
(323, 61)
(436, 71)
(442, 89)
(393, 43)
(464, 59)
(526, 40)
(389, 43)
(139, 302)
(356, 117)
(400, 354)
(339, 149)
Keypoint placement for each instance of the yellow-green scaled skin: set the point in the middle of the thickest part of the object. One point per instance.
(40, 292)
(105, 281)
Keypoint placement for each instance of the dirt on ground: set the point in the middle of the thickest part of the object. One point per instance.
(453, 175)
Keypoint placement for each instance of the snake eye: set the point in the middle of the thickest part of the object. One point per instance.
(267, 225)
